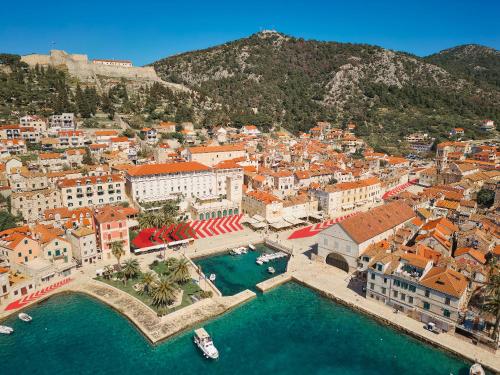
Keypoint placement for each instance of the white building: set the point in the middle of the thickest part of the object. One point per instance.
(348, 197)
(92, 191)
(341, 244)
(84, 243)
(64, 121)
(193, 182)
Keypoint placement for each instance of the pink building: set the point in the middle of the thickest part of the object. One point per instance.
(111, 226)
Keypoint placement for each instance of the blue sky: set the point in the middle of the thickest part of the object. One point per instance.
(144, 31)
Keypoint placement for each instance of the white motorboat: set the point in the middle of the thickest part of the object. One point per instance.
(252, 247)
(6, 330)
(243, 250)
(236, 251)
(25, 317)
(203, 340)
(212, 277)
(259, 262)
(476, 369)
(271, 270)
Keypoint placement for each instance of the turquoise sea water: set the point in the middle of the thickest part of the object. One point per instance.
(240, 272)
(290, 330)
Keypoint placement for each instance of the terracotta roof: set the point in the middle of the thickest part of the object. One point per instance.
(49, 155)
(445, 281)
(263, 196)
(477, 255)
(109, 214)
(105, 133)
(366, 225)
(71, 182)
(352, 185)
(208, 149)
(167, 168)
(415, 260)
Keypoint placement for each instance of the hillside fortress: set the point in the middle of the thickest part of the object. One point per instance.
(79, 66)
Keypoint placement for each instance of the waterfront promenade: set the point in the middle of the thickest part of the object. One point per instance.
(332, 283)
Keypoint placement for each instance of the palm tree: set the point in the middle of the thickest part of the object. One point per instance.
(491, 294)
(180, 271)
(148, 280)
(164, 292)
(491, 305)
(131, 268)
(117, 251)
(146, 220)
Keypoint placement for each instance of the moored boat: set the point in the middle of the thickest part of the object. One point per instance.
(252, 247)
(203, 340)
(271, 270)
(476, 369)
(212, 277)
(6, 330)
(25, 317)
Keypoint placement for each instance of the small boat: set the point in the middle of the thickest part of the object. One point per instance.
(236, 251)
(6, 330)
(476, 369)
(203, 340)
(212, 277)
(252, 247)
(259, 262)
(271, 270)
(25, 317)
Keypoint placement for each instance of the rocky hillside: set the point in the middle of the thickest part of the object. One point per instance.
(271, 78)
(482, 64)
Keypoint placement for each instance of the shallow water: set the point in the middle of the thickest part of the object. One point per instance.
(240, 272)
(290, 330)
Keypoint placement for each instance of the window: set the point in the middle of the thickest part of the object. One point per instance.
(385, 280)
(403, 296)
(410, 299)
(372, 276)
(412, 288)
(384, 290)
(447, 301)
(379, 267)
(426, 306)
(446, 313)
(395, 293)
(427, 293)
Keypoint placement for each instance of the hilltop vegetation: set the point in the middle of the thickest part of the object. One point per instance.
(271, 78)
(47, 90)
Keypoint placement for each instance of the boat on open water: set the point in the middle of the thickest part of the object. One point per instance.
(205, 343)
(6, 330)
(25, 317)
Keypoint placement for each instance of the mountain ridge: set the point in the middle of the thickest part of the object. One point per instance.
(273, 78)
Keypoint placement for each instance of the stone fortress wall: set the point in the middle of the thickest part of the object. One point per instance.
(79, 66)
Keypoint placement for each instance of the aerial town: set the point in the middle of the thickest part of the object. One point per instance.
(413, 240)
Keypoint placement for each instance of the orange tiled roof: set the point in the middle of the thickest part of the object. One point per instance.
(366, 225)
(263, 196)
(445, 280)
(208, 149)
(71, 182)
(167, 168)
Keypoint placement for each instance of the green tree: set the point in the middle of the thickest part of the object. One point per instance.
(164, 292)
(148, 281)
(180, 271)
(485, 197)
(117, 251)
(7, 220)
(130, 269)
(87, 158)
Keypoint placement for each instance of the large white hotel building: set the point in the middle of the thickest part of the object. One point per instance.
(206, 192)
